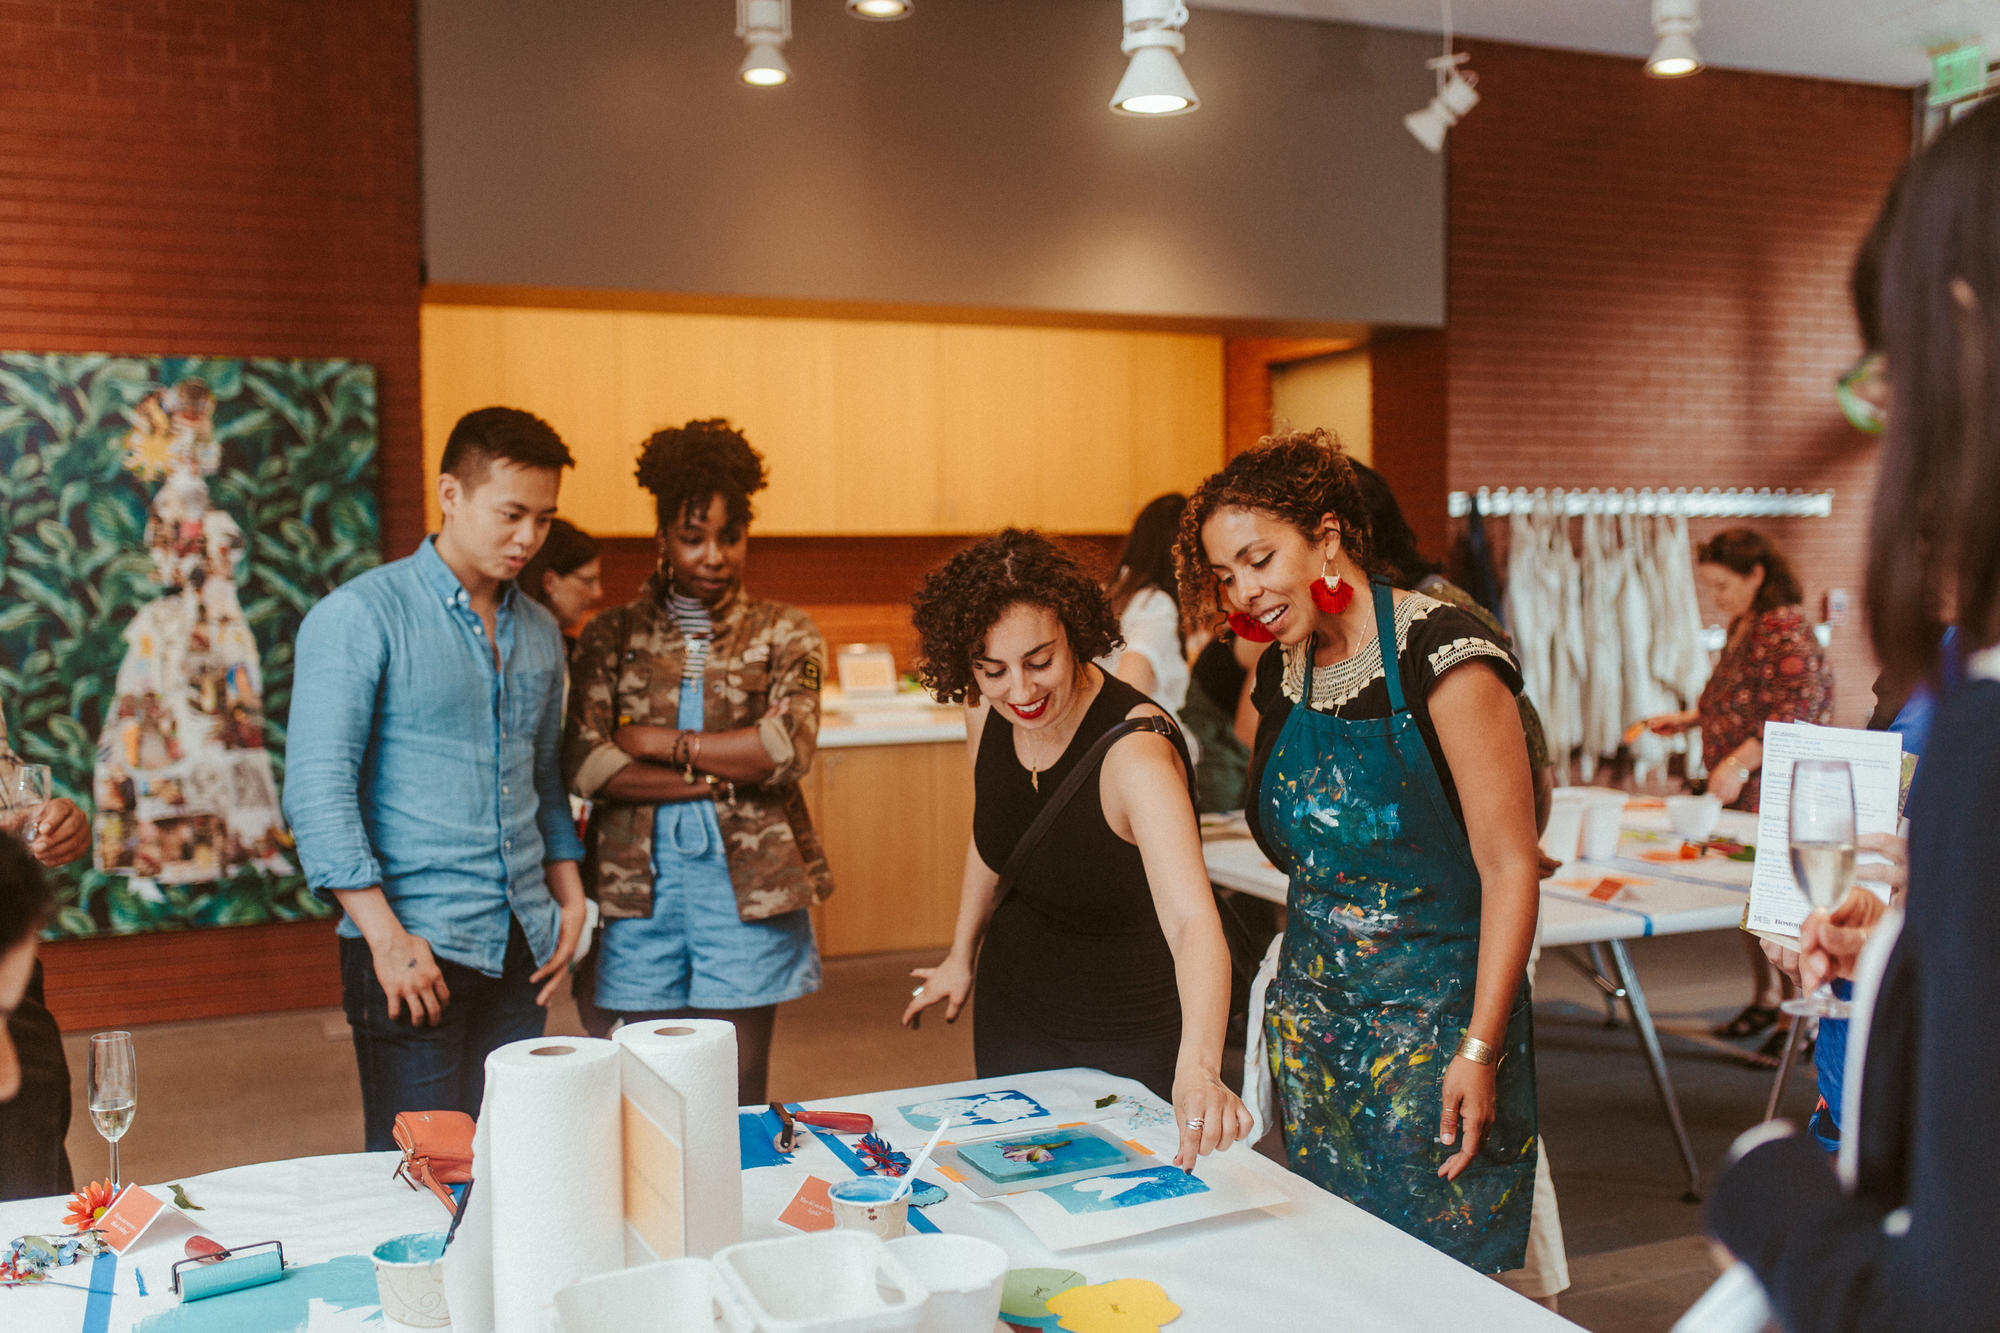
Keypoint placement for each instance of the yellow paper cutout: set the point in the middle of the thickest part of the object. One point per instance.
(1129, 1305)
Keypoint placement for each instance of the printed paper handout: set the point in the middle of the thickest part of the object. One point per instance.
(1875, 759)
(1002, 1107)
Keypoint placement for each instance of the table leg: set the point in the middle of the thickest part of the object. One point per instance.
(1656, 1064)
(1784, 1069)
(1611, 997)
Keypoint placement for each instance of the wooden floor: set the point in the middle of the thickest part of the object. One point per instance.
(227, 1091)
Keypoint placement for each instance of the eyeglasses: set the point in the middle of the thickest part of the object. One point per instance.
(1863, 394)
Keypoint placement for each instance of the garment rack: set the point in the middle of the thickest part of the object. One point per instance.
(1763, 503)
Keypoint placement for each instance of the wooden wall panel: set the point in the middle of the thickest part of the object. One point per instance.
(871, 427)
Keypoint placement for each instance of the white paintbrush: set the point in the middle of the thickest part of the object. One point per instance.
(923, 1160)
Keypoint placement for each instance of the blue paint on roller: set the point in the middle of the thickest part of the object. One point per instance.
(346, 1283)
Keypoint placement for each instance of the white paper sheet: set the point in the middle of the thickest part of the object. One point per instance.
(1144, 1199)
(1876, 760)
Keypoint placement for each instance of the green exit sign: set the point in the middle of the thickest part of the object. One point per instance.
(1957, 74)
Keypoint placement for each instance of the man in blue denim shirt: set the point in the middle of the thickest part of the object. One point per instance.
(424, 785)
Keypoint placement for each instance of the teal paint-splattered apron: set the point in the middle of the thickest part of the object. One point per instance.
(1375, 981)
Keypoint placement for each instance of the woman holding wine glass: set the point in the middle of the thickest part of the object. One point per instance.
(1899, 1235)
(33, 1124)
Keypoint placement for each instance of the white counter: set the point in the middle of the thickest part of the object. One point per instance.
(909, 718)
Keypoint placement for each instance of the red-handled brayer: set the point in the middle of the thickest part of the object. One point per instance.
(839, 1122)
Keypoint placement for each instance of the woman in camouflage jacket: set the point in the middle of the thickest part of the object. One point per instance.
(693, 714)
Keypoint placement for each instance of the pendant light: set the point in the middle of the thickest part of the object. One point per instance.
(1154, 84)
(765, 26)
(1674, 22)
(1457, 93)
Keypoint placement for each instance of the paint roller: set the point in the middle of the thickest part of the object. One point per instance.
(214, 1270)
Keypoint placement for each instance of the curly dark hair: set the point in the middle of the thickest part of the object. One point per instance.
(1298, 478)
(1741, 550)
(962, 598)
(686, 467)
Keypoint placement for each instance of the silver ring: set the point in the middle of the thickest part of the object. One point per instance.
(1196, 1123)
(917, 993)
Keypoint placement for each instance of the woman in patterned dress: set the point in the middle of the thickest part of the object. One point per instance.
(1390, 782)
(1771, 670)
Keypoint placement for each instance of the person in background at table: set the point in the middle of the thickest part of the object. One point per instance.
(1153, 657)
(1545, 1273)
(423, 782)
(1107, 952)
(1771, 670)
(1390, 782)
(564, 577)
(34, 1073)
(694, 714)
(1898, 1235)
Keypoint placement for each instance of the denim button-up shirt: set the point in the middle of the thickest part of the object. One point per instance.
(411, 764)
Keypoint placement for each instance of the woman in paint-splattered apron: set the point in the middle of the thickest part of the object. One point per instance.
(1388, 750)
(1374, 984)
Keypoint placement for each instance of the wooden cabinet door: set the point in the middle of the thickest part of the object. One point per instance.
(895, 820)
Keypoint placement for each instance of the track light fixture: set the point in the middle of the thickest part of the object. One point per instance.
(765, 26)
(1457, 93)
(1154, 84)
(881, 11)
(1674, 22)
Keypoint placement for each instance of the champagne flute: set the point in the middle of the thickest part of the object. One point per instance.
(1822, 840)
(24, 794)
(113, 1090)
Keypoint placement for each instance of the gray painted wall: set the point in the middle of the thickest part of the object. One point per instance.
(964, 156)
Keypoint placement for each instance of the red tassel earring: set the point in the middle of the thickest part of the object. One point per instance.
(1330, 592)
(1249, 628)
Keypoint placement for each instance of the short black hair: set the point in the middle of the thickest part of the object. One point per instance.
(565, 550)
(24, 893)
(686, 467)
(488, 435)
(963, 599)
(1390, 536)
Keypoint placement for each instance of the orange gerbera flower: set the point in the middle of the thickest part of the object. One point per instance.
(88, 1204)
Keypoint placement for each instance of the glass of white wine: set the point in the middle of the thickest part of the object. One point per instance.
(113, 1090)
(24, 794)
(1822, 836)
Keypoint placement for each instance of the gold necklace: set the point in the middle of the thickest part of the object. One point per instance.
(1035, 770)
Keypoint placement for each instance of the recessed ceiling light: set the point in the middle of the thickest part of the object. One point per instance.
(882, 11)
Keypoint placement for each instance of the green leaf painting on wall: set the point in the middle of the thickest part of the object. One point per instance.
(165, 523)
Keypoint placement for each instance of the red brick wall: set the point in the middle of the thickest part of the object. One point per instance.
(235, 178)
(231, 177)
(1648, 286)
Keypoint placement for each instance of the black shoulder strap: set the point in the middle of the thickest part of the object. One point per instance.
(1039, 828)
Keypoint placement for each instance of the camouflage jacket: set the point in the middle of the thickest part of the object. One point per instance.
(627, 670)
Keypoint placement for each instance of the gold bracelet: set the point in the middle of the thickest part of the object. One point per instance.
(1477, 1051)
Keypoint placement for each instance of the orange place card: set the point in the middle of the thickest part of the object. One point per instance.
(1608, 888)
(810, 1209)
(133, 1214)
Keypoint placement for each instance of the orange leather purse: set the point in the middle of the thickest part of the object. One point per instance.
(437, 1151)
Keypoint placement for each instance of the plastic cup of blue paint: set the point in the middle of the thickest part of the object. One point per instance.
(864, 1203)
(409, 1275)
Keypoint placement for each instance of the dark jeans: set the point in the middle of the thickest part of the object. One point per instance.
(32, 1126)
(409, 1068)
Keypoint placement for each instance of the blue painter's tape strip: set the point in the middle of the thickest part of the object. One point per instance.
(918, 1222)
(97, 1310)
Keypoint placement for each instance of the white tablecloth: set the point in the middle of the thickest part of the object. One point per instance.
(1313, 1261)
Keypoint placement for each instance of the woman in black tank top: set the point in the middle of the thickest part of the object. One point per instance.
(1089, 960)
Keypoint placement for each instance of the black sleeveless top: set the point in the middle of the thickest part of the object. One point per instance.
(1075, 953)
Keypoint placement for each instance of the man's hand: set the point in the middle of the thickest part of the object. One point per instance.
(410, 976)
(566, 887)
(61, 833)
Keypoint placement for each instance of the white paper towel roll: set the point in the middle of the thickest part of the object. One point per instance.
(547, 1200)
(697, 1058)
